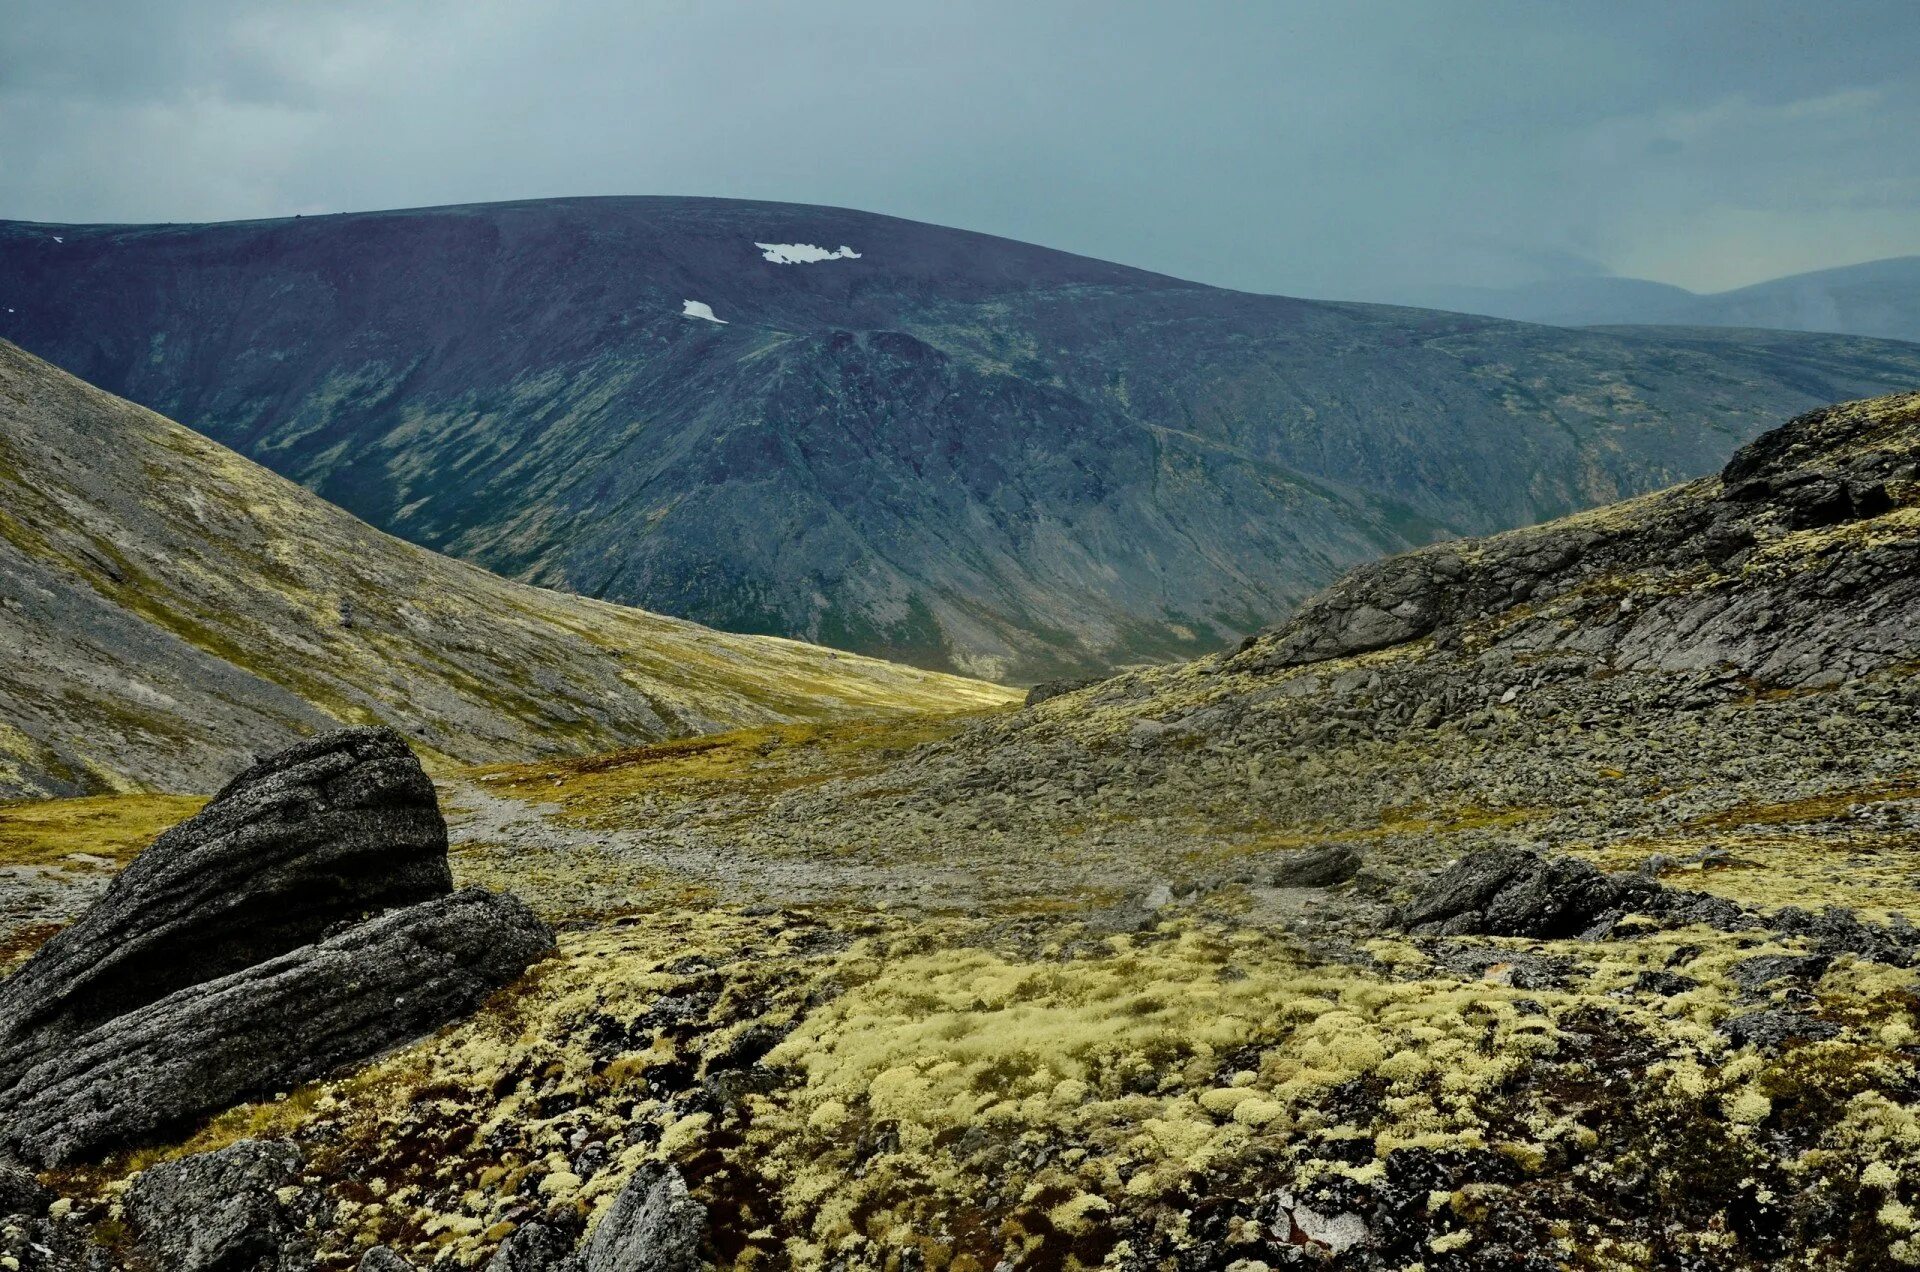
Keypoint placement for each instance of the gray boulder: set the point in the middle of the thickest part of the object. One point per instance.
(653, 1226)
(1518, 892)
(269, 1027)
(1774, 1030)
(535, 1247)
(1059, 688)
(318, 836)
(1321, 867)
(1512, 892)
(383, 1259)
(21, 1195)
(238, 1209)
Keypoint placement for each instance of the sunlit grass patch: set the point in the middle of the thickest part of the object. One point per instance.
(113, 828)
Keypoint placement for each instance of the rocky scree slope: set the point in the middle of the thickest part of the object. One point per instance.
(171, 609)
(1561, 925)
(937, 446)
(1522, 937)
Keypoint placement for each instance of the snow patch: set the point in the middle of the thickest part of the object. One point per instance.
(58, 239)
(700, 309)
(804, 253)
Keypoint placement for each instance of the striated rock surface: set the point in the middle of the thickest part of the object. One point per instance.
(269, 1027)
(319, 835)
(653, 1226)
(304, 919)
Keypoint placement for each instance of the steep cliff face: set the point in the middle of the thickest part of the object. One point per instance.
(944, 447)
(168, 609)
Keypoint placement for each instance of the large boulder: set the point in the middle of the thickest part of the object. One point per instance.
(266, 1028)
(318, 836)
(237, 1209)
(1513, 892)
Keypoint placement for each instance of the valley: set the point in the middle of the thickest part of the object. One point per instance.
(170, 609)
(1306, 953)
(943, 448)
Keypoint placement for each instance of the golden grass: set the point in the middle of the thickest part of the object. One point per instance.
(112, 827)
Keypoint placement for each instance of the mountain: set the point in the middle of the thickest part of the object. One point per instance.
(169, 608)
(1876, 298)
(1534, 901)
(890, 437)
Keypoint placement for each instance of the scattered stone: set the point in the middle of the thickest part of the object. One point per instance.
(653, 1226)
(1664, 984)
(535, 1247)
(237, 1209)
(1521, 969)
(1755, 974)
(21, 1193)
(1772, 1030)
(383, 1259)
(1057, 688)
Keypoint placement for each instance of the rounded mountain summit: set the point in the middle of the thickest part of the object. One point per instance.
(934, 445)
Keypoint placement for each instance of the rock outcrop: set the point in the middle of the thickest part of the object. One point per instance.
(1518, 892)
(238, 1209)
(236, 956)
(1723, 588)
(320, 835)
(653, 1226)
(268, 1027)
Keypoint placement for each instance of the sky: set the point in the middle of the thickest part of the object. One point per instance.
(1357, 149)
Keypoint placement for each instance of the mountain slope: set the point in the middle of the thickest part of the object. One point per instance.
(169, 607)
(1875, 298)
(1529, 902)
(946, 447)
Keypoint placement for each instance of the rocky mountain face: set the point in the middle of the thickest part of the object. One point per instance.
(938, 446)
(170, 609)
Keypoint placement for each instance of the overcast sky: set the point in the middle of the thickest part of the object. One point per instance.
(1341, 149)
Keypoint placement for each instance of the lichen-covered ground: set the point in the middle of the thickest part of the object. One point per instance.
(1008, 1028)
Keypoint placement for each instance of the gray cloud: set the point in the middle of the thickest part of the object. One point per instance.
(1329, 149)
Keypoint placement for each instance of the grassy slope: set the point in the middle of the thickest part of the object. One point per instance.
(175, 597)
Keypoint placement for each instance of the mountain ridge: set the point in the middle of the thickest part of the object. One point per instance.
(960, 450)
(1879, 298)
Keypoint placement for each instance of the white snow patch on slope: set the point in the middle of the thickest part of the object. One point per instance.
(804, 253)
(700, 309)
(58, 239)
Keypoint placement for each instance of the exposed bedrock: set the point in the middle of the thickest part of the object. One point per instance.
(267, 1027)
(319, 835)
(1713, 602)
(305, 919)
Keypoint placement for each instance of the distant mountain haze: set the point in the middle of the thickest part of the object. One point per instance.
(1877, 298)
(943, 447)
